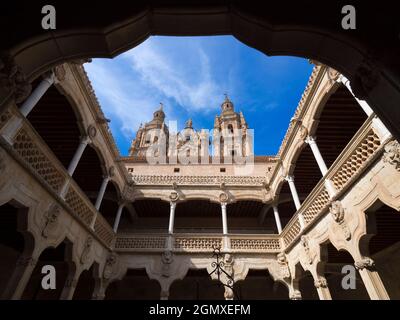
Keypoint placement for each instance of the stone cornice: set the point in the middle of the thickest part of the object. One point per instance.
(80, 73)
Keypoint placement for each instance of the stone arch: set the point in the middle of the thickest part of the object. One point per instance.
(381, 242)
(86, 282)
(249, 23)
(16, 241)
(61, 258)
(90, 171)
(62, 133)
(135, 285)
(259, 284)
(196, 285)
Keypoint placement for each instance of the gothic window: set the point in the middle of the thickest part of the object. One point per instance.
(155, 139)
(230, 128)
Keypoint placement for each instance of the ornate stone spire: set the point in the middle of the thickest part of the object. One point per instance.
(243, 122)
(227, 105)
(159, 114)
(189, 124)
(217, 123)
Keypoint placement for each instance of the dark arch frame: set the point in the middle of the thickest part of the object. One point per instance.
(366, 56)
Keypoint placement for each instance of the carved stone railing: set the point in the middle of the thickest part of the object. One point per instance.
(291, 230)
(354, 159)
(38, 157)
(197, 243)
(103, 230)
(198, 180)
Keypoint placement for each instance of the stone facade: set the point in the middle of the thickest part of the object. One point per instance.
(56, 209)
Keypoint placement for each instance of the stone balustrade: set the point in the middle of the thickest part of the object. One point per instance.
(37, 157)
(197, 243)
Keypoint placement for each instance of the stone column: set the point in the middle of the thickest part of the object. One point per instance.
(19, 279)
(171, 217)
(277, 219)
(70, 284)
(99, 292)
(383, 133)
(38, 93)
(293, 191)
(317, 154)
(78, 154)
(224, 219)
(100, 196)
(99, 199)
(372, 281)
(74, 163)
(322, 288)
(118, 217)
(295, 196)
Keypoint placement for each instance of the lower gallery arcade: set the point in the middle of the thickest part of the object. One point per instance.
(328, 201)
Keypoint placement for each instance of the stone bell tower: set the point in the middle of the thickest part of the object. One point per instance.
(149, 134)
(230, 132)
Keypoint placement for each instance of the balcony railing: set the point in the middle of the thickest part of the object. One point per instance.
(39, 158)
(197, 243)
(354, 159)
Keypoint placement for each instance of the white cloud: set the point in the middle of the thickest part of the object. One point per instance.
(118, 100)
(191, 85)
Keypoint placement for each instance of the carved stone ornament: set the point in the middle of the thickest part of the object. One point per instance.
(50, 220)
(296, 295)
(2, 163)
(174, 196)
(111, 171)
(284, 270)
(228, 294)
(164, 294)
(320, 283)
(337, 212)
(364, 263)
(392, 154)
(166, 259)
(13, 79)
(60, 72)
(306, 247)
(333, 74)
(26, 261)
(91, 131)
(86, 250)
(109, 266)
(303, 132)
(223, 197)
(366, 78)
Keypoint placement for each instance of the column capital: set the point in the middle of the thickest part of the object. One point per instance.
(49, 77)
(310, 140)
(85, 139)
(365, 263)
(320, 283)
(289, 178)
(172, 204)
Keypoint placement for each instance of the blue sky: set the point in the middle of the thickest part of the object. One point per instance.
(190, 75)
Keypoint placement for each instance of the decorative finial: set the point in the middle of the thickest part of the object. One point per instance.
(161, 106)
(189, 123)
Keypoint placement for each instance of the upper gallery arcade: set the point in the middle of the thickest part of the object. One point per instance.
(329, 197)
